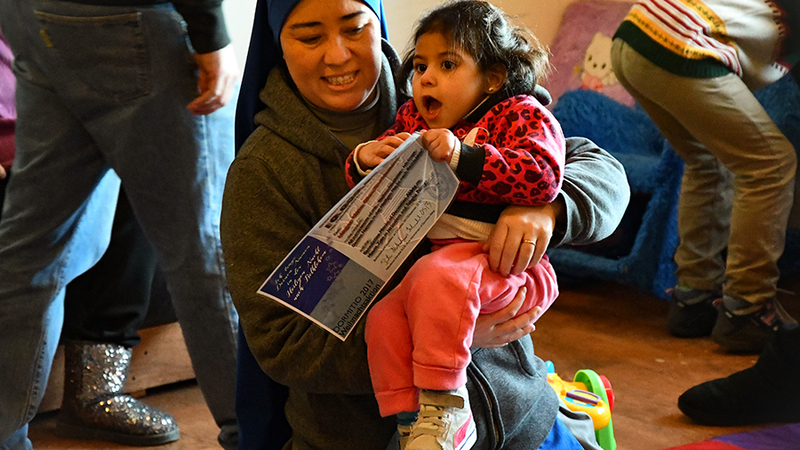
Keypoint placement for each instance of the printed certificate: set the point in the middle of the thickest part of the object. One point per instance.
(334, 273)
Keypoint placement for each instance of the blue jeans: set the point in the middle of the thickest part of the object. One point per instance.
(101, 96)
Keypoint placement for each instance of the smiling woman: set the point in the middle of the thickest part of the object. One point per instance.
(331, 59)
(326, 81)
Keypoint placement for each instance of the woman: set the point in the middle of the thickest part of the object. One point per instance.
(333, 90)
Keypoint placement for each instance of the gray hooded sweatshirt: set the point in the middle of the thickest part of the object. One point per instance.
(287, 175)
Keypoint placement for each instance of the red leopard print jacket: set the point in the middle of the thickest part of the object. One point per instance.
(524, 152)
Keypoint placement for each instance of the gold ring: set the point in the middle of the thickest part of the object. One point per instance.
(529, 241)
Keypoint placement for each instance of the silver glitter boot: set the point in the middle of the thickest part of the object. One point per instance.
(94, 406)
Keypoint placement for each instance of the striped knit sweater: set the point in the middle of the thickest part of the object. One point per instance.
(755, 39)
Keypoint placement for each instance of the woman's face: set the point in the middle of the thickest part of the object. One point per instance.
(333, 51)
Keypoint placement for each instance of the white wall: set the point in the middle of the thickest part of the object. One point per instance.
(543, 17)
(239, 18)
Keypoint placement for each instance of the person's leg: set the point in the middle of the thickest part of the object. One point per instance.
(573, 425)
(696, 116)
(561, 438)
(451, 287)
(441, 296)
(186, 236)
(766, 392)
(31, 295)
(389, 349)
(418, 368)
(173, 165)
(102, 313)
(441, 304)
(55, 225)
(135, 93)
(705, 199)
(704, 209)
(109, 301)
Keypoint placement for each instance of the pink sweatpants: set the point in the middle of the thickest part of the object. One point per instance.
(419, 335)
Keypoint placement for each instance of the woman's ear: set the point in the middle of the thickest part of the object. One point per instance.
(495, 78)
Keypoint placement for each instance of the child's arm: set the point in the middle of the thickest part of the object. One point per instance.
(442, 145)
(369, 154)
(372, 153)
(519, 157)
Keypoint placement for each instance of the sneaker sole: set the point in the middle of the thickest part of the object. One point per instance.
(70, 431)
(735, 420)
(470, 438)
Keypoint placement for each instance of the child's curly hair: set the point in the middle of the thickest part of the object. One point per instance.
(486, 33)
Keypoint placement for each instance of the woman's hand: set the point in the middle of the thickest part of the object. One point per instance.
(501, 327)
(521, 236)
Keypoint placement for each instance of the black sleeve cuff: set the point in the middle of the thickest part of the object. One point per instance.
(206, 27)
(470, 164)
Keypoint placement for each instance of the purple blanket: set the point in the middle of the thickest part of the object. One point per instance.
(582, 50)
(8, 112)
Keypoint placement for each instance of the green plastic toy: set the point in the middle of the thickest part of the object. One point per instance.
(592, 394)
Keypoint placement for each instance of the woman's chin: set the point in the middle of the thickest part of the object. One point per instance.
(343, 102)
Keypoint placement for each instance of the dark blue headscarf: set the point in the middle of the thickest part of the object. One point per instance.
(264, 53)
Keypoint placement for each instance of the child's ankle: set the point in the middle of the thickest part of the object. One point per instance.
(406, 418)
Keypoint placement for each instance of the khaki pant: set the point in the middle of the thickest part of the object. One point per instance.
(738, 182)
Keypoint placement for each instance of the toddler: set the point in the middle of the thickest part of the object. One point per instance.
(473, 77)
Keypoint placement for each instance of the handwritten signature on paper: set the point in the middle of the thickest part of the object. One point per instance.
(299, 271)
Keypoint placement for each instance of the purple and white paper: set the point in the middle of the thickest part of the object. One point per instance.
(334, 273)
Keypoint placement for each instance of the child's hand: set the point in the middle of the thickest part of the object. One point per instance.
(520, 238)
(372, 153)
(440, 143)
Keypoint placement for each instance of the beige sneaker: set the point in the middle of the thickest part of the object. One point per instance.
(445, 422)
(403, 432)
